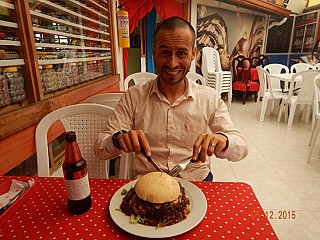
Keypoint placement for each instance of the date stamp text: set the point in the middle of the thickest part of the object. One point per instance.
(275, 214)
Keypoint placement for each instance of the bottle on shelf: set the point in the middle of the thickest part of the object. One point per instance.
(76, 176)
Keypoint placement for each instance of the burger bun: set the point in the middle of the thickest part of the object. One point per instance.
(157, 187)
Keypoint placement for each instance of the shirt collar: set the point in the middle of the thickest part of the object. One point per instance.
(188, 93)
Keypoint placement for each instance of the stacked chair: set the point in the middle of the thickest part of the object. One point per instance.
(196, 77)
(212, 72)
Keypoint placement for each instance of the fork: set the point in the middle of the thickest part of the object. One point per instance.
(178, 168)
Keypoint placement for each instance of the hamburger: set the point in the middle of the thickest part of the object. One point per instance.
(157, 199)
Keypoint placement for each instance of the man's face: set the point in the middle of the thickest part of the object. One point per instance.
(173, 52)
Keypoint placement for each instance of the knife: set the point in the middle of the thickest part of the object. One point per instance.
(154, 164)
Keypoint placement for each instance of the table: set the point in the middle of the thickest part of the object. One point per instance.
(285, 79)
(233, 213)
(282, 76)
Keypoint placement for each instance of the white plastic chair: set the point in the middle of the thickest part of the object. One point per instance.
(196, 77)
(266, 92)
(111, 100)
(276, 68)
(87, 120)
(137, 78)
(316, 66)
(299, 67)
(316, 116)
(126, 159)
(213, 74)
(108, 99)
(304, 97)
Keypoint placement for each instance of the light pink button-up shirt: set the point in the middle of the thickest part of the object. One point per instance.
(171, 129)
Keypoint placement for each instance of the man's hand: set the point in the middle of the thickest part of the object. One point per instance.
(208, 144)
(132, 140)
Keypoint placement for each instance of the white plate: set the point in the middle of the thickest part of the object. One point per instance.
(197, 213)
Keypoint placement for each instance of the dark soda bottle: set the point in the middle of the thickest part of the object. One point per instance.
(76, 176)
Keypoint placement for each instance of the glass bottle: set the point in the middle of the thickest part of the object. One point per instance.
(76, 176)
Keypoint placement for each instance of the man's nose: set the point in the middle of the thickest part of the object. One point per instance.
(173, 61)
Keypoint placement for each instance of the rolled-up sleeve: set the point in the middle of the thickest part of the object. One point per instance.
(103, 147)
(220, 121)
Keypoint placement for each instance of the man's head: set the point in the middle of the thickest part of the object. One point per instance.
(172, 24)
(173, 49)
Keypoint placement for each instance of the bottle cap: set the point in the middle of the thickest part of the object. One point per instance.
(70, 136)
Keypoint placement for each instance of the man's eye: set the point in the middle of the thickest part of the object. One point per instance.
(164, 52)
(182, 54)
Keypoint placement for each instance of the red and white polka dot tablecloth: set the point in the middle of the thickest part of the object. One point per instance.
(233, 213)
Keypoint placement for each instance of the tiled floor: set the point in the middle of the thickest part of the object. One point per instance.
(277, 170)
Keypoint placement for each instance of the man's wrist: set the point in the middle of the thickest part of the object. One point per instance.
(115, 140)
(227, 143)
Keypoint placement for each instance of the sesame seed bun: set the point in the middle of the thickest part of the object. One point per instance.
(157, 187)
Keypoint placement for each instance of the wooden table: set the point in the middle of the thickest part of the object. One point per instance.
(233, 213)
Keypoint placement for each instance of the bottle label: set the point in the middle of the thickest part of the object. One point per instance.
(78, 189)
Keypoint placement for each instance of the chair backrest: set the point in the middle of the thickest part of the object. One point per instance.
(241, 68)
(266, 85)
(108, 99)
(306, 93)
(263, 80)
(87, 120)
(126, 159)
(261, 60)
(299, 67)
(276, 68)
(138, 79)
(316, 66)
(196, 78)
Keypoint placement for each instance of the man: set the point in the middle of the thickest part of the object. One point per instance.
(170, 116)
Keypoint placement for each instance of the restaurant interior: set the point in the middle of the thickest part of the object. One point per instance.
(261, 56)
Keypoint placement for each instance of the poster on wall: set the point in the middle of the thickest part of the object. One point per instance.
(231, 33)
(279, 37)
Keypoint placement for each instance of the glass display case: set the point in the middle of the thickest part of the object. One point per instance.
(12, 85)
(305, 31)
(65, 43)
(72, 40)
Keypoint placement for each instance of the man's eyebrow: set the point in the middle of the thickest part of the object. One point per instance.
(180, 49)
